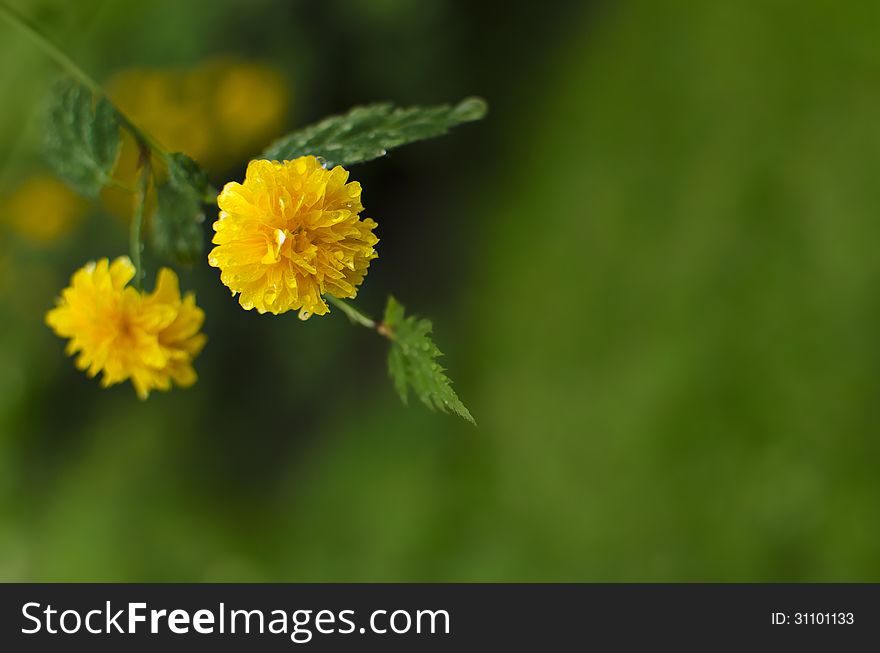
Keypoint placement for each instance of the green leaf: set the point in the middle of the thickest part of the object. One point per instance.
(177, 223)
(83, 137)
(368, 132)
(412, 362)
(185, 172)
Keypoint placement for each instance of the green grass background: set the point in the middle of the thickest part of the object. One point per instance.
(653, 269)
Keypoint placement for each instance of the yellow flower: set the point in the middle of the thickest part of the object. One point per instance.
(43, 209)
(151, 339)
(290, 234)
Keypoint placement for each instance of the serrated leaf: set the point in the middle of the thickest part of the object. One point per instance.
(82, 141)
(368, 132)
(412, 362)
(183, 171)
(177, 223)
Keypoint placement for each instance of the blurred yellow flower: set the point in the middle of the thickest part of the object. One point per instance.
(250, 101)
(150, 339)
(290, 234)
(218, 112)
(42, 209)
(169, 104)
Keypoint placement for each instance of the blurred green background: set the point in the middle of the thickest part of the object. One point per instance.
(653, 270)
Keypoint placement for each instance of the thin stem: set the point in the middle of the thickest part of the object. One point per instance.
(56, 54)
(138, 220)
(143, 138)
(351, 312)
(49, 47)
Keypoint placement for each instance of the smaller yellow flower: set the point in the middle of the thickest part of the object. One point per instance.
(150, 339)
(43, 209)
(290, 234)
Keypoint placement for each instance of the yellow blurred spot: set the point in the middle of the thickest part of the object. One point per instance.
(42, 209)
(250, 107)
(218, 112)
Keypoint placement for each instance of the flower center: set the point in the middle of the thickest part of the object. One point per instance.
(280, 243)
(274, 245)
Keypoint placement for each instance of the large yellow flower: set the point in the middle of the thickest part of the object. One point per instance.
(290, 234)
(151, 339)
